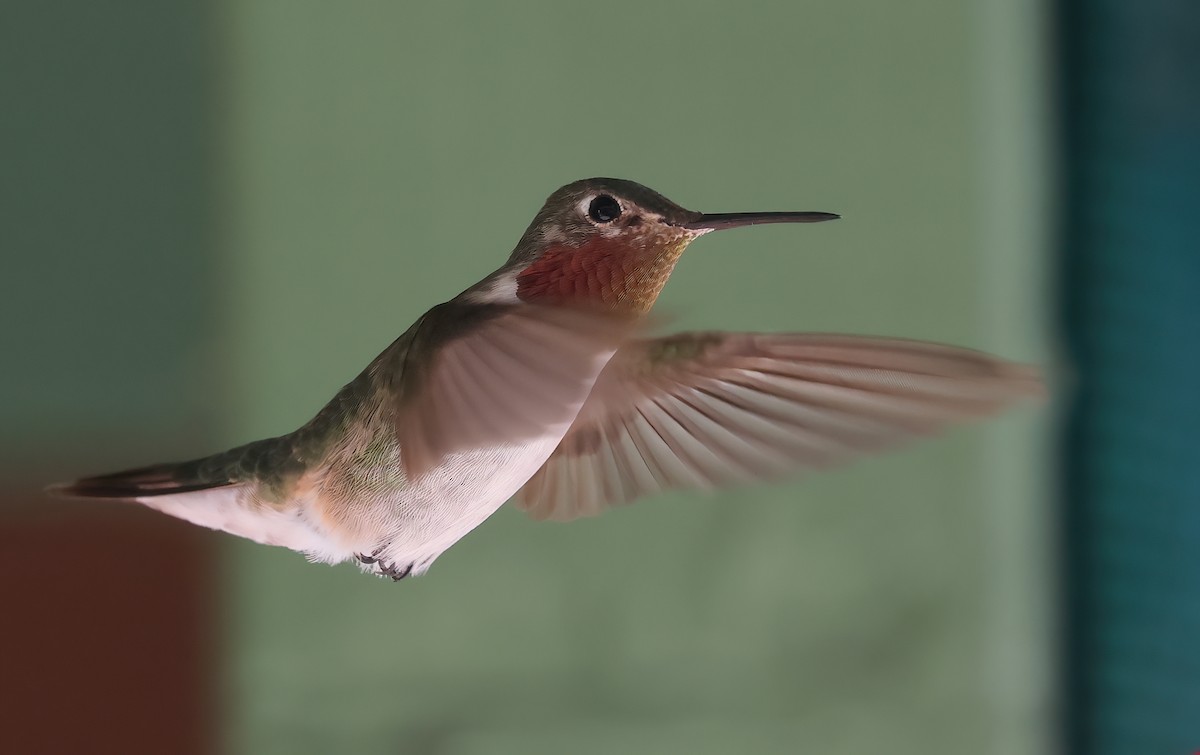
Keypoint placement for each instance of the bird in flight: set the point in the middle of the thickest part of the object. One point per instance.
(540, 384)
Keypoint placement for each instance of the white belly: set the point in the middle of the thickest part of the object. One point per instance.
(433, 512)
(412, 526)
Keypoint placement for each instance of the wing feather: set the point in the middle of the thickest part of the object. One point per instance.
(479, 377)
(704, 410)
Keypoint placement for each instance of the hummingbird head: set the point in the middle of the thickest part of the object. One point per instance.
(610, 244)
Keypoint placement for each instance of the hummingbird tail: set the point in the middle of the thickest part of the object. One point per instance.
(156, 480)
(218, 492)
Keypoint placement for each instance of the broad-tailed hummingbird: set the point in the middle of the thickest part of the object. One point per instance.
(539, 384)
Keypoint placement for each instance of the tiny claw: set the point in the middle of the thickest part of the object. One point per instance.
(403, 574)
(397, 574)
(365, 559)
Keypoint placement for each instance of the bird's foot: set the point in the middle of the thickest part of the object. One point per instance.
(386, 569)
(394, 571)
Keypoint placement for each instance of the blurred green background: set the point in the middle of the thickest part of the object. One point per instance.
(218, 213)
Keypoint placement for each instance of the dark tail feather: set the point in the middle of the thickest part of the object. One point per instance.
(160, 479)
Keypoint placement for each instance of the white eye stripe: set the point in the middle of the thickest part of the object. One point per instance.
(586, 203)
(583, 204)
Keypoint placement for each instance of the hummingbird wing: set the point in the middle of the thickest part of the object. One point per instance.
(708, 410)
(482, 376)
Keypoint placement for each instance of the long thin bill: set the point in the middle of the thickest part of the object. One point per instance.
(721, 220)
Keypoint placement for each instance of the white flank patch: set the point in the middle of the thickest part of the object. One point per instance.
(228, 509)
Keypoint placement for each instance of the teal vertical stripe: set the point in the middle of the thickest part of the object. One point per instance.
(1131, 288)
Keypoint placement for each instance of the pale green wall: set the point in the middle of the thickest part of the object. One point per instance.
(380, 157)
(107, 252)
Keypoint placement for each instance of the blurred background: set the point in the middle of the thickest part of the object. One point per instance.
(212, 215)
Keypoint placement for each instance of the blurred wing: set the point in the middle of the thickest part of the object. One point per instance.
(485, 376)
(706, 410)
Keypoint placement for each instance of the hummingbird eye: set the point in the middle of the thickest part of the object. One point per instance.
(604, 209)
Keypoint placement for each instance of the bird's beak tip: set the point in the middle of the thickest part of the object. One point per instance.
(720, 221)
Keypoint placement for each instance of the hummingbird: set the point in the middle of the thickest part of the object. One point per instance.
(541, 384)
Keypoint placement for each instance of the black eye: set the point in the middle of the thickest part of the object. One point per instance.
(604, 209)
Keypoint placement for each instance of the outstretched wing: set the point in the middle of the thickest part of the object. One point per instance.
(707, 410)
